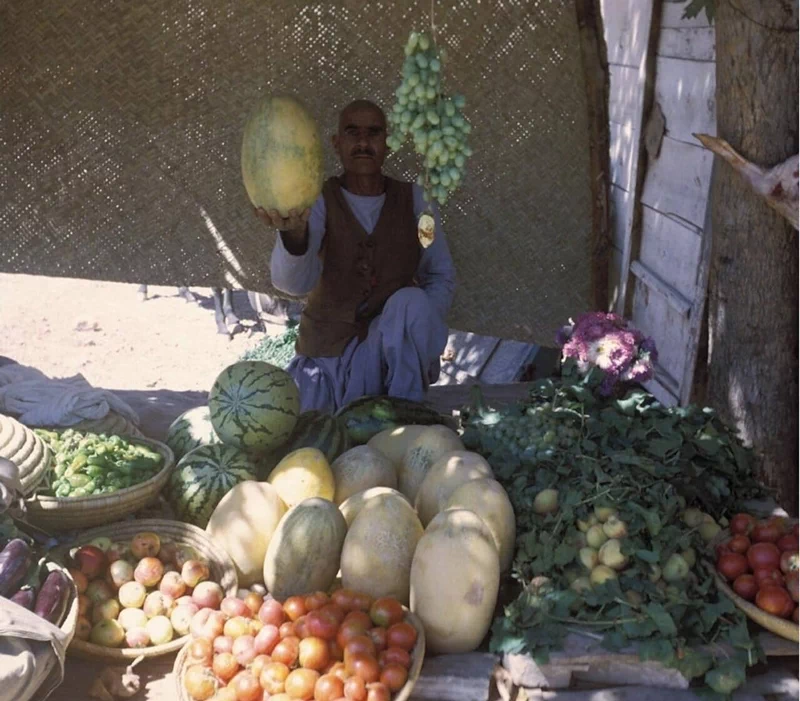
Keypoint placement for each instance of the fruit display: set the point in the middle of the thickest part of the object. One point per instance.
(759, 560)
(324, 646)
(141, 592)
(434, 121)
(203, 476)
(282, 157)
(361, 468)
(426, 449)
(368, 416)
(89, 464)
(303, 474)
(191, 430)
(615, 499)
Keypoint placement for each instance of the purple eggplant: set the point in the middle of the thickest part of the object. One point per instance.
(25, 597)
(15, 560)
(53, 597)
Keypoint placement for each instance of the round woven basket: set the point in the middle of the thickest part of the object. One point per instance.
(417, 658)
(69, 513)
(219, 564)
(26, 450)
(780, 626)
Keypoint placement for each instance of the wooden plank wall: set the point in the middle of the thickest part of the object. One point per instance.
(660, 273)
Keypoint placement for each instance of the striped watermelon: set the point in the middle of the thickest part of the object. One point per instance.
(202, 477)
(254, 406)
(314, 429)
(190, 430)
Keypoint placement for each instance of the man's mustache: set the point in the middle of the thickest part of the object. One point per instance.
(363, 152)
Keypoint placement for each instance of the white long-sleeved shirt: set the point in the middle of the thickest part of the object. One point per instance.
(297, 275)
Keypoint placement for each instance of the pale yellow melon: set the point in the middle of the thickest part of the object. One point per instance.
(445, 475)
(394, 442)
(428, 447)
(304, 552)
(455, 577)
(352, 506)
(379, 547)
(243, 523)
(361, 468)
(487, 498)
(302, 474)
(282, 156)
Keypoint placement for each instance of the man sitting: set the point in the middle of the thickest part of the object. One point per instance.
(375, 317)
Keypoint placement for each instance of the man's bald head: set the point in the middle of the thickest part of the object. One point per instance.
(360, 106)
(360, 141)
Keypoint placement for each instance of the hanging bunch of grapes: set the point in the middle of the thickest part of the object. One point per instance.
(434, 121)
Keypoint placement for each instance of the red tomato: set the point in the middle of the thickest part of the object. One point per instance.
(316, 600)
(335, 611)
(343, 598)
(775, 600)
(336, 652)
(360, 616)
(745, 585)
(378, 636)
(321, 625)
(738, 544)
(295, 606)
(742, 524)
(386, 611)
(731, 565)
(788, 543)
(378, 692)
(328, 688)
(394, 676)
(789, 561)
(248, 688)
(361, 601)
(765, 532)
(300, 627)
(763, 555)
(349, 629)
(766, 576)
(314, 654)
(355, 689)
(287, 651)
(300, 684)
(395, 655)
(792, 579)
(364, 666)
(402, 635)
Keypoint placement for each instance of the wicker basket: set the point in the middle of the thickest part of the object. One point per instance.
(70, 513)
(220, 565)
(26, 450)
(780, 626)
(417, 658)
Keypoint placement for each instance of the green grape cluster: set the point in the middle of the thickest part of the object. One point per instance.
(434, 121)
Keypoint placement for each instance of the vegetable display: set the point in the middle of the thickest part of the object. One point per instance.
(87, 464)
(615, 499)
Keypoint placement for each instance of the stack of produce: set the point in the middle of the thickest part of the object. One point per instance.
(616, 501)
(27, 580)
(87, 464)
(139, 593)
(320, 646)
(408, 513)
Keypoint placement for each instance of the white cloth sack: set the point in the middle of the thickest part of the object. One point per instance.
(32, 654)
(37, 400)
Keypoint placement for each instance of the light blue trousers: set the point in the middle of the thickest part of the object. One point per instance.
(399, 357)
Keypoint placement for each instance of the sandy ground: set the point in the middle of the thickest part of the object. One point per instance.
(104, 332)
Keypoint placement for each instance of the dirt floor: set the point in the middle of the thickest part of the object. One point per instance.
(102, 330)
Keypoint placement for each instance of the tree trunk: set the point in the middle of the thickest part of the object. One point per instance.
(753, 289)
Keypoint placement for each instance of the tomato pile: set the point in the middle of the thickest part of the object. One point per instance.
(761, 561)
(342, 647)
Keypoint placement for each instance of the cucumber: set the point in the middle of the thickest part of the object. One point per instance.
(367, 416)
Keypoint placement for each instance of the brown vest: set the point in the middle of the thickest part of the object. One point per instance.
(360, 271)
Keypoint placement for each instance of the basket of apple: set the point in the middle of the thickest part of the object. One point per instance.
(140, 583)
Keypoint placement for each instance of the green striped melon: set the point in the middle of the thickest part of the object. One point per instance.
(254, 406)
(190, 430)
(202, 477)
(282, 157)
(314, 429)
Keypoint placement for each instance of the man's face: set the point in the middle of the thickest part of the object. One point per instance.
(361, 140)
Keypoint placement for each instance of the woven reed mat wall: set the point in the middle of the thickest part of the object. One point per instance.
(121, 129)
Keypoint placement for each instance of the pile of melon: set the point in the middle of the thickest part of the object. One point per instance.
(411, 515)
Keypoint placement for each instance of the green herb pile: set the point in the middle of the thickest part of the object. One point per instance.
(659, 468)
(276, 350)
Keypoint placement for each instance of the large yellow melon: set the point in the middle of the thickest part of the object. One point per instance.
(379, 547)
(394, 442)
(360, 468)
(302, 474)
(487, 498)
(282, 157)
(428, 447)
(455, 577)
(243, 523)
(304, 552)
(351, 507)
(446, 475)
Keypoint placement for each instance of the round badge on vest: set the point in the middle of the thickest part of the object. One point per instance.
(426, 230)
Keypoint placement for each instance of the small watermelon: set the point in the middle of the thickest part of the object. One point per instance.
(314, 429)
(190, 430)
(202, 477)
(254, 406)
